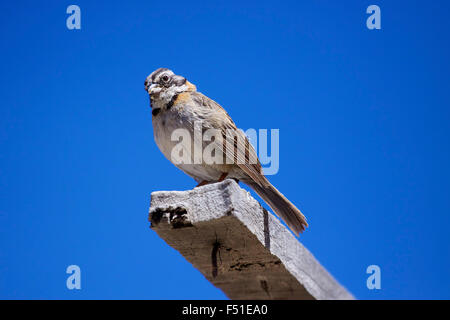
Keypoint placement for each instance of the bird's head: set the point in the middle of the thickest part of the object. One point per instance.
(162, 85)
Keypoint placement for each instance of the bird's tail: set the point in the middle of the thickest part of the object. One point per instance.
(281, 206)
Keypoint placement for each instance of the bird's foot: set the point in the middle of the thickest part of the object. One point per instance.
(222, 177)
(203, 183)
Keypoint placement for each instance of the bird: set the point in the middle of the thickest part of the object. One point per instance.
(177, 107)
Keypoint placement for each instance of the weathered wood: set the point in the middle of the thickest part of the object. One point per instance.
(238, 245)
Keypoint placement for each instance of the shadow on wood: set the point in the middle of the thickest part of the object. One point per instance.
(238, 245)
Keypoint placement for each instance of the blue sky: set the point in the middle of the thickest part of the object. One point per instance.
(364, 137)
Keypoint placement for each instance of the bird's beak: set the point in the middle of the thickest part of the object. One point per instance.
(150, 88)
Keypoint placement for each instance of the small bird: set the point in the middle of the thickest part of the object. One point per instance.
(176, 104)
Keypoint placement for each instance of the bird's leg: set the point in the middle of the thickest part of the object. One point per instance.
(222, 177)
(204, 182)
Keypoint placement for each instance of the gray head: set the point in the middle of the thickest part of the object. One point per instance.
(162, 79)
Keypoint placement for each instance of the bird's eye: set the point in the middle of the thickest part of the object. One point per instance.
(165, 78)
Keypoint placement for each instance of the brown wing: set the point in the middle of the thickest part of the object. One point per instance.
(239, 150)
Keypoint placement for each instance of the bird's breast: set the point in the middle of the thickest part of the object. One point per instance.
(172, 128)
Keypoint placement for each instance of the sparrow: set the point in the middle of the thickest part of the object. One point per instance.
(176, 104)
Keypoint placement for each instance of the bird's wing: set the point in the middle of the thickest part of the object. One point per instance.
(239, 150)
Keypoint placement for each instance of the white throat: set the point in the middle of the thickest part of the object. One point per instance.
(161, 97)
